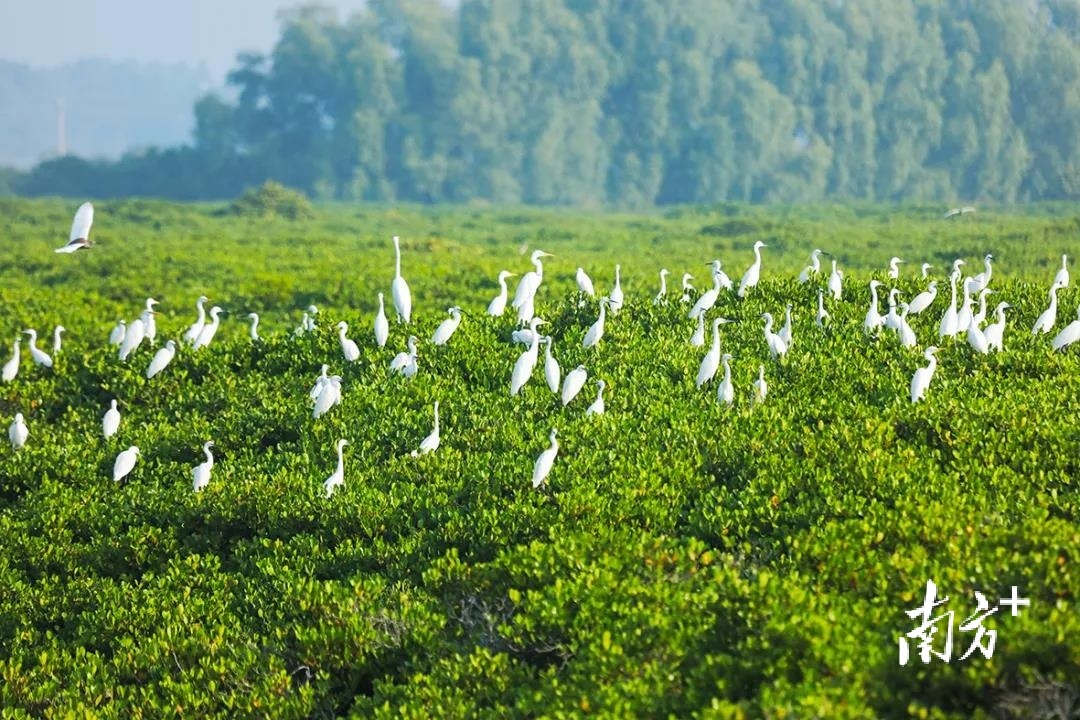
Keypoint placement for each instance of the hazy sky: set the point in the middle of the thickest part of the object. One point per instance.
(196, 32)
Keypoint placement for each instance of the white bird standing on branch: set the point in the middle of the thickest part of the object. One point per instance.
(894, 268)
(200, 474)
(822, 313)
(596, 332)
(1062, 276)
(405, 362)
(980, 281)
(431, 442)
(687, 288)
(319, 383)
(111, 422)
(39, 356)
(836, 282)
(125, 463)
(584, 283)
(337, 478)
(661, 297)
(725, 393)
(329, 396)
(698, 338)
(753, 273)
(526, 362)
(709, 297)
(192, 333)
(924, 299)
(1068, 335)
(399, 289)
(616, 294)
(80, 230)
(920, 381)
(210, 329)
(1046, 321)
(711, 361)
(348, 346)
(812, 269)
(926, 270)
(785, 331)
(116, 336)
(597, 408)
(497, 306)
(572, 384)
(948, 325)
(149, 324)
(382, 325)
(761, 388)
(162, 358)
(529, 284)
(11, 367)
(873, 320)
(996, 330)
(56, 338)
(253, 331)
(447, 327)
(543, 464)
(18, 432)
(777, 347)
(552, 371)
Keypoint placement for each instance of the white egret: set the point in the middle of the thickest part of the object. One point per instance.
(253, 331)
(497, 306)
(527, 309)
(133, 338)
(210, 329)
(873, 320)
(399, 289)
(162, 358)
(530, 281)
(725, 393)
(431, 442)
(1046, 321)
(545, 461)
(56, 338)
(111, 422)
(907, 335)
(948, 325)
(39, 356)
(337, 478)
(956, 212)
(80, 230)
(125, 463)
(892, 320)
(698, 338)
(382, 325)
(1062, 276)
(980, 281)
(572, 384)
(894, 269)
(526, 362)
(309, 318)
(597, 407)
(920, 381)
(552, 371)
(329, 396)
(761, 388)
(447, 327)
(661, 296)
(753, 273)
(319, 383)
(18, 432)
(200, 474)
(116, 336)
(596, 332)
(11, 367)
(718, 271)
(523, 336)
(836, 279)
(979, 317)
(977, 339)
(1068, 335)
(924, 299)
(616, 294)
(708, 298)
(687, 288)
(926, 270)
(957, 264)
(193, 332)
(584, 283)
(711, 361)
(777, 347)
(348, 346)
(785, 332)
(303, 326)
(822, 314)
(149, 324)
(996, 330)
(812, 269)
(405, 362)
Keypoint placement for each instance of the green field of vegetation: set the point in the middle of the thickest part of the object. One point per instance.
(684, 558)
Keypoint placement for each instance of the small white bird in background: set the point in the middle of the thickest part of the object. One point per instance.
(80, 230)
(873, 320)
(753, 273)
(687, 288)
(337, 478)
(836, 282)
(192, 333)
(431, 442)
(894, 267)
(552, 371)
(956, 212)
(616, 294)
(822, 313)
(584, 283)
(761, 388)
(302, 328)
(920, 381)
(125, 463)
(785, 332)
(1068, 335)
(543, 463)
(382, 325)
(329, 396)
(526, 362)
(111, 422)
(200, 474)
(56, 342)
(597, 408)
(40, 357)
(995, 330)
(405, 362)
(253, 331)
(711, 361)
(777, 347)
(924, 299)
(162, 358)
(698, 338)
(348, 347)
(812, 269)
(497, 306)
(1062, 276)
(926, 270)
(725, 393)
(1046, 321)
(309, 318)
(11, 367)
(319, 383)
(572, 384)
(18, 432)
(116, 336)
(948, 325)
(399, 289)
(149, 324)
(709, 297)
(447, 327)
(210, 329)
(661, 297)
(596, 332)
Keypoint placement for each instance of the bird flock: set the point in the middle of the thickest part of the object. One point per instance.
(965, 317)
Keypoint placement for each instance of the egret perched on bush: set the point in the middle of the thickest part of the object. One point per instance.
(708, 298)
(111, 422)
(592, 337)
(753, 273)
(116, 336)
(963, 317)
(39, 356)
(1062, 276)
(597, 407)
(572, 384)
(447, 327)
(405, 362)
(980, 281)
(56, 338)
(616, 294)
(948, 325)
(907, 335)
(926, 270)
(761, 388)
(711, 361)
(661, 296)
(698, 338)
(785, 332)
(149, 324)
(836, 279)
(382, 325)
(530, 283)
(399, 289)
(136, 332)
(977, 339)
(526, 362)
(1046, 321)
(253, 331)
(210, 329)
(11, 367)
(309, 318)
(822, 313)
(552, 371)
(920, 381)
(584, 283)
(125, 463)
(200, 474)
(337, 479)
(1068, 335)
(777, 347)
(873, 320)
(979, 317)
(725, 393)
(319, 383)
(924, 299)
(497, 306)
(302, 328)
(812, 269)
(18, 432)
(543, 463)
(892, 320)
(193, 332)
(894, 268)
(348, 347)
(431, 442)
(329, 396)
(80, 230)
(162, 358)
(996, 329)
(687, 288)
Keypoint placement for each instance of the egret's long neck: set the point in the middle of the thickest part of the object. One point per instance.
(209, 457)
(539, 267)
(1053, 305)
(757, 255)
(727, 372)
(716, 337)
(33, 342)
(873, 296)
(716, 280)
(502, 284)
(340, 459)
(202, 311)
(663, 284)
(952, 288)
(603, 312)
(436, 418)
(820, 301)
(815, 262)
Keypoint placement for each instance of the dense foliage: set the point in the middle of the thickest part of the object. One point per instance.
(685, 558)
(631, 104)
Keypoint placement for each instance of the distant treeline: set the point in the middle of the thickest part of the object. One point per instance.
(635, 103)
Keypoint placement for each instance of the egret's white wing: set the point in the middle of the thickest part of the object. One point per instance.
(80, 226)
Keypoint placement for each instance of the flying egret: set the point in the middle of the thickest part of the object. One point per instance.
(616, 294)
(592, 337)
(116, 336)
(572, 384)
(924, 299)
(1068, 335)
(761, 388)
(1046, 321)
(584, 283)
(319, 383)
(125, 463)
(405, 362)
(253, 331)
(836, 282)
(80, 230)
(785, 332)
(200, 474)
(907, 335)
(530, 281)
(210, 329)
(193, 332)
(597, 408)
(980, 281)
(329, 396)
(995, 330)
(545, 461)
(812, 269)
(111, 422)
(552, 371)
(337, 478)
(399, 289)
(753, 273)
(894, 268)
(873, 320)
(956, 212)
(892, 320)
(39, 356)
(920, 381)
(497, 306)
(926, 270)
(447, 327)
(725, 393)
(149, 324)
(382, 325)
(948, 325)
(56, 338)
(777, 347)
(348, 347)
(162, 358)
(1062, 276)
(526, 362)
(698, 338)
(708, 298)
(661, 296)
(18, 432)
(687, 288)
(11, 367)
(431, 442)
(711, 361)
(822, 314)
